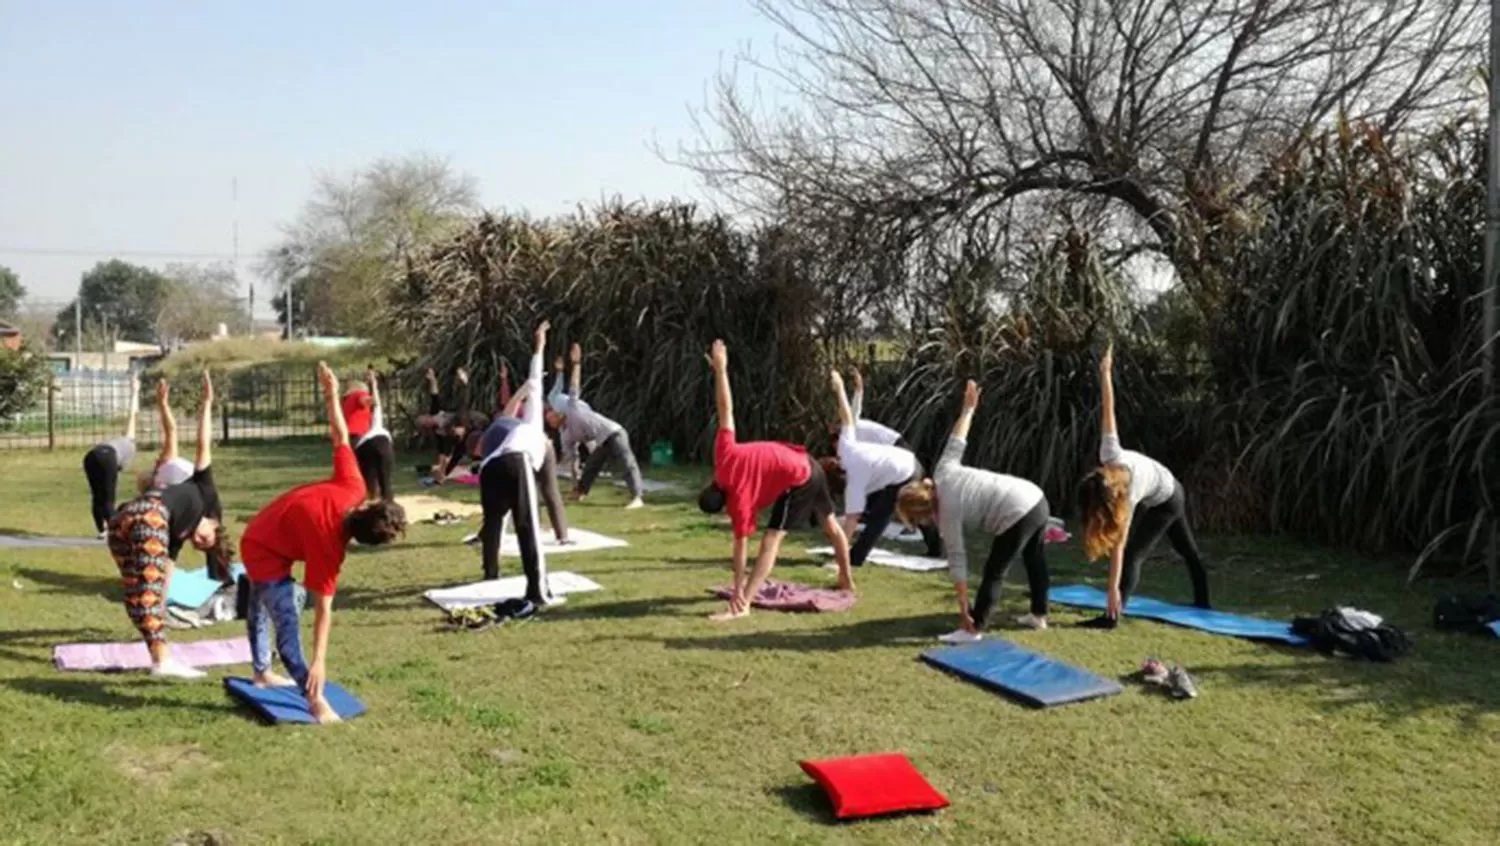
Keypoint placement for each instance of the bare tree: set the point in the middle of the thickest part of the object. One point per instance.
(357, 229)
(197, 299)
(911, 117)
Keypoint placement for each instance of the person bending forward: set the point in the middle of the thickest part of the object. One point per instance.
(753, 475)
(311, 523)
(1011, 509)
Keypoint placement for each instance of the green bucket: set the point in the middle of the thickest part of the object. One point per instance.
(661, 454)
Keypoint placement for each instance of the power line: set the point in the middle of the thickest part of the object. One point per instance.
(50, 251)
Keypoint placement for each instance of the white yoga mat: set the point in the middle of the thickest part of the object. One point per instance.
(581, 540)
(35, 541)
(512, 587)
(886, 558)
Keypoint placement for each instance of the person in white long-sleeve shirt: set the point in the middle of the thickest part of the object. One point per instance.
(1129, 501)
(1011, 509)
(507, 485)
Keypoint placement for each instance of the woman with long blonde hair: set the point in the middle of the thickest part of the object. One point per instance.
(1129, 501)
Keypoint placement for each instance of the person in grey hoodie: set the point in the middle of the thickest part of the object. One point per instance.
(1012, 510)
(580, 424)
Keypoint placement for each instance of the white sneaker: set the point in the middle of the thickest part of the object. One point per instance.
(171, 668)
(103, 535)
(1032, 621)
(554, 602)
(958, 636)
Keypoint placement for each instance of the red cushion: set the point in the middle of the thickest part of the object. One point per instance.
(870, 785)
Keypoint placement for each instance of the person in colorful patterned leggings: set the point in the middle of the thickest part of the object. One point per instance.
(147, 533)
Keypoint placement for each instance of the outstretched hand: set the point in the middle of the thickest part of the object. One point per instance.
(718, 355)
(163, 391)
(575, 353)
(370, 378)
(859, 381)
(208, 388)
(432, 378)
(971, 395)
(1107, 361)
(463, 376)
(837, 379)
(326, 378)
(541, 335)
(557, 364)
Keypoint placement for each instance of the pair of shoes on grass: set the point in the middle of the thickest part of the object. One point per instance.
(961, 636)
(1175, 681)
(446, 518)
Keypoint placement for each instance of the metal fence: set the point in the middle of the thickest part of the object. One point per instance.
(86, 407)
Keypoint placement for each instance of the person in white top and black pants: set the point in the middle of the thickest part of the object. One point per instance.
(507, 486)
(872, 475)
(1128, 503)
(1012, 510)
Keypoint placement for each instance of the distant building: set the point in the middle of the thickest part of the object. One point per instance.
(10, 336)
(124, 357)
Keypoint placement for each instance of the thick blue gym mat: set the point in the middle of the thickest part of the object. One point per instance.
(288, 705)
(1214, 622)
(1028, 676)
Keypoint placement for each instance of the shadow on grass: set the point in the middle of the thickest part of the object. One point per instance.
(630, 608)
(366, 599)
(867, 634)
(106, 694)
(809, 800)
(12, 642)
(108, 587)
(1399, 690)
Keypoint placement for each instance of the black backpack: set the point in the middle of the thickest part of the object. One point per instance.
(1330, 633)
(1466, 613)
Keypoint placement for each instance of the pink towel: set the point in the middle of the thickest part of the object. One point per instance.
(786, 596)
(133, 656)
(465, 479)
(1056, 534)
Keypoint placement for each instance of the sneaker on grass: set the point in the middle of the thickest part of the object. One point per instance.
(960, 636)
(1180, 684)
(1032, 621)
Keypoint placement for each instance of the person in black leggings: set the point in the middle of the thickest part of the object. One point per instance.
(374, 450)
(103, 464)
(1129, 501)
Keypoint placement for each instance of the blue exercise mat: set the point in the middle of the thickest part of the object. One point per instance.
(192, 588)
(1214, 622)
(288, 704)
(1028, 676)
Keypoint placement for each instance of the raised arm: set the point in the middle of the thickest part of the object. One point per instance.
(338, 430)
(135, 405)
(465, 397)
(846, 414)
(377, 411)
(168, 421)
(718, 359)
(1107, 392)
(513, 404)
(434, 398)
(858, 406)
(555, 396)
(575, 385)
(205, 455)
(966, 415)
(534, 376)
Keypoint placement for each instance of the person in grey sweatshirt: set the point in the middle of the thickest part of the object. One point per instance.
(580, 424)
(1012, 510)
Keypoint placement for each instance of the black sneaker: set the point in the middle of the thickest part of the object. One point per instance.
(1103, 621)
(515, 609)
(1180, 684)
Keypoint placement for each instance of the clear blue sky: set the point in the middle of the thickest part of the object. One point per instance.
(123, 124)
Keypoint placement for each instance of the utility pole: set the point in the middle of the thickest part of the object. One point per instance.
(78, 328)
(1491, 244)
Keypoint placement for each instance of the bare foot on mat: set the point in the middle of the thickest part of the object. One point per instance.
(324, 713)
(272, 679)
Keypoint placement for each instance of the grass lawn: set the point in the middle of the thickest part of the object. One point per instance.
(626, 717)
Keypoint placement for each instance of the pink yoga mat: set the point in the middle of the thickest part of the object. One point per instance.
(133, 656)
(785, 596)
